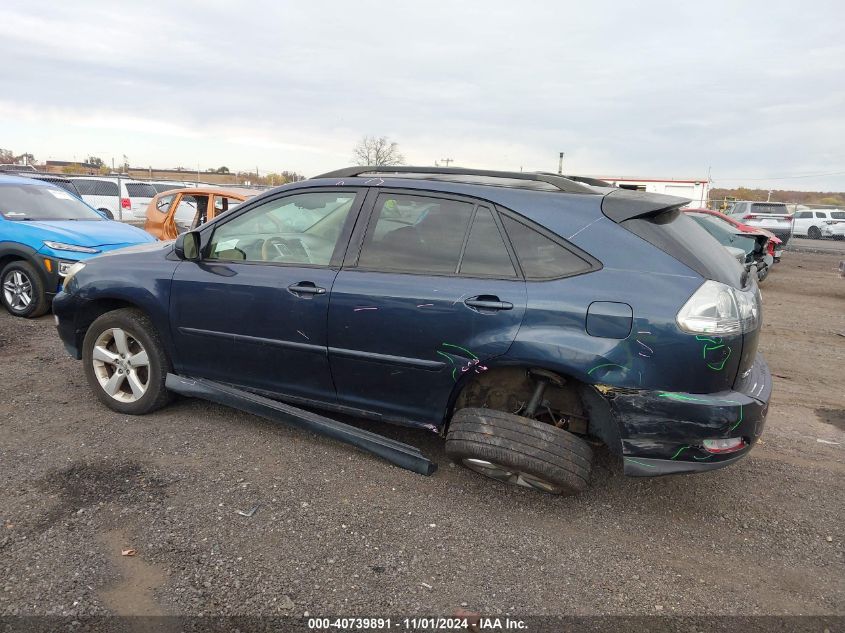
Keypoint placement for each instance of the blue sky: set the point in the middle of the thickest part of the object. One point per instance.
(751, 90)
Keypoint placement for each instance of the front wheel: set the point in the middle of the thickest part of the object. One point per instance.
(125, 362)
(23, 292)
(519, 451)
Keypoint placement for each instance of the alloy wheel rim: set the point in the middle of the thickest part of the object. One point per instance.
(511, 476)
(17, 290)
(121, 365)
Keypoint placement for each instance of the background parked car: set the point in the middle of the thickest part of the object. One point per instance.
(753, 246)
(101, 192)
(773, 216)
(774, 246)
(174, 212)
(756, 243)
(44, 231)
(819, 223)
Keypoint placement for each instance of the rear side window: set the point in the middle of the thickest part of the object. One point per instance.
(96, 187)
(140, 190)
(803, 215)
(540, 256)
(821, 214)
(417, 234)
(485, 253)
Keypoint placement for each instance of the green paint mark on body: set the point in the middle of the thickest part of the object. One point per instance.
(605, 365)
(630, 459)
(461, 348)
(680, 450)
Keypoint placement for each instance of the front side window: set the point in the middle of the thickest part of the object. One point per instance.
(419, 234)
(838, 215)
(190, 207)
(298, 229)
(540, 256)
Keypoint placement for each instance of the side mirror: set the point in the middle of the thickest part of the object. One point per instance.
(187, 246)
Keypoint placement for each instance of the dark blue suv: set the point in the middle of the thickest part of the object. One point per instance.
(525, 317)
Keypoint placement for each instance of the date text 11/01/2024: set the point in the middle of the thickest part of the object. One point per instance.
(418, 624)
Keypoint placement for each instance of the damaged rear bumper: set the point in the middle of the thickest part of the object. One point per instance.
(662, 432)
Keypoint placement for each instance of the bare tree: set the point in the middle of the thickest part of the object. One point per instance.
(378, 151)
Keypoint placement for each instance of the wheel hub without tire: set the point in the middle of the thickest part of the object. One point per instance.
(121, 365)
(509, 475)
(17, 290)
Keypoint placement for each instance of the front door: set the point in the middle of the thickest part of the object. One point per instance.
(433, 296)
(253, 311)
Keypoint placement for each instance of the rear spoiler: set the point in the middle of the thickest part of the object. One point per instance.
(625, 204)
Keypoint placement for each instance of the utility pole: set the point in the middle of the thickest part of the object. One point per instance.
(447, 161)
(560, 164)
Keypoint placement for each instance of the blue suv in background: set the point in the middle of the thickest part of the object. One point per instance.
(525, 317)
(44, 230)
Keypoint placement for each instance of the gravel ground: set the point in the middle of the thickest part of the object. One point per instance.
(340, 532)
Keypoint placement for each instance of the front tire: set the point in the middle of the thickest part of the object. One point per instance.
(23, 292)
(125, 362)
(519, 451)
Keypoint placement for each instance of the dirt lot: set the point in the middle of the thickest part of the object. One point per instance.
(340, 532)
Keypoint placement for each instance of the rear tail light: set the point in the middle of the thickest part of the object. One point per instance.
(770, 248)
(716, 308)
(788, 218)
(730, 445)
(125, 203)
(749, 216)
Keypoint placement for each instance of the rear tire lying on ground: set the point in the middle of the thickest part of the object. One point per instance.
(125, 362)
(519, 451)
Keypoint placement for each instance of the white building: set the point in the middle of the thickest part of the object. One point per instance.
(695, 190)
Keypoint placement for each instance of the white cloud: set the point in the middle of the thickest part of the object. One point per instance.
(652, 88)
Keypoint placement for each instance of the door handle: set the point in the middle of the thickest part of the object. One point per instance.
(306, 288)
(488, 302)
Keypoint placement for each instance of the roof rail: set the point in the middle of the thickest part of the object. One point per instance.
(560, 182)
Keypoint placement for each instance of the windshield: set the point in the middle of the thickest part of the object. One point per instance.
(27, 202)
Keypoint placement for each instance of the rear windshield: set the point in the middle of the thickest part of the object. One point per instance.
(26, 202)
(681, 237)
(140, 190)
(769, 207)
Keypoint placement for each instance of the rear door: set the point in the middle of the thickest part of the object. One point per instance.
(253, 311)
(431, 297)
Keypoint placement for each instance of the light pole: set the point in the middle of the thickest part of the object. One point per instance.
(560, 164)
